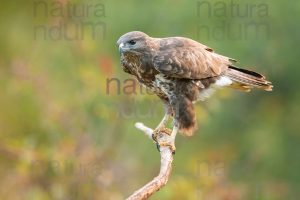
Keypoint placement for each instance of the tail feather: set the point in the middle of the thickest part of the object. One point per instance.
(246, 79)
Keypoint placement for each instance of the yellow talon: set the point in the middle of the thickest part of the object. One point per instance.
(158, 137)
(159, 131)
(170, 145)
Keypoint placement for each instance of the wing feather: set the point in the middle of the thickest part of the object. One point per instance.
(185, 58)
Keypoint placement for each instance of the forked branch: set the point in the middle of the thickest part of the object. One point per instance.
(166, 158)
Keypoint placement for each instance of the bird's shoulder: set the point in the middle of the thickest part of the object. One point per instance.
(185, 58)
(180, 42)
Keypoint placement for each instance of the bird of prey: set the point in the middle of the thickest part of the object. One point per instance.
(181, 71)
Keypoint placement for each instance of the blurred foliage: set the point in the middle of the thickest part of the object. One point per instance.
(65, 133)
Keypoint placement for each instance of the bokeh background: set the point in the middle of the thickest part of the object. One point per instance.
(67, 110)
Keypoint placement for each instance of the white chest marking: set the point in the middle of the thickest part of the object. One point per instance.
(162, 83)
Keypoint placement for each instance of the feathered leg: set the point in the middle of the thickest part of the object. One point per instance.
(170, 142)
(184, 119)
(163, 123)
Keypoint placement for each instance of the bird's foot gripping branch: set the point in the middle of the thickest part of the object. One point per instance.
(163, 137)
(166, 141)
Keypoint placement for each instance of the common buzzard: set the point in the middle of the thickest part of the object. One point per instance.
(181, 71)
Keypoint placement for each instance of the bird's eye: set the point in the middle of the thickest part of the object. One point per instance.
(132, 42)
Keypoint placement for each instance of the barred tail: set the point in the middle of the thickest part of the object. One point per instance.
(246, 80)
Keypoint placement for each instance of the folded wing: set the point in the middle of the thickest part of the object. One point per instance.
(182, 58)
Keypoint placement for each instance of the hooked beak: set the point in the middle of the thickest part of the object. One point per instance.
(121, 45)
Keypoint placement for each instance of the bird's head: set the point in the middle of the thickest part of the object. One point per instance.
(132, 42)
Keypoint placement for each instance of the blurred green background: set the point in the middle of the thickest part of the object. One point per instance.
(66, 132)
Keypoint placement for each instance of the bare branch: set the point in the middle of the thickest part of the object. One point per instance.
(166, 159)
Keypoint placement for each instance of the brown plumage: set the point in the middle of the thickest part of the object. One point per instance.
(182, 71)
